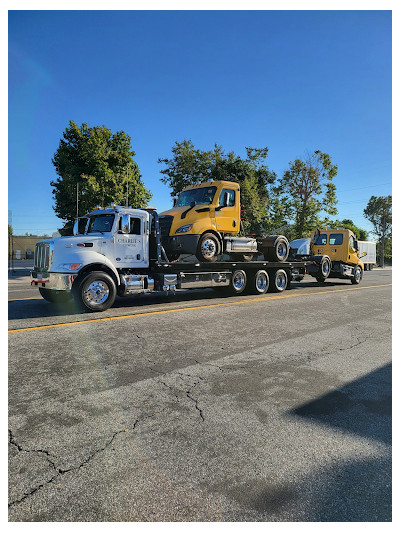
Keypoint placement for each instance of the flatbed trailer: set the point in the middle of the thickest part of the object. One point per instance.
(255, 277)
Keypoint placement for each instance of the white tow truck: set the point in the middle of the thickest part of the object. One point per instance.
(120, 252)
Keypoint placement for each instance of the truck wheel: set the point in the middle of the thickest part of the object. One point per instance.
(238, 282)
(279, 251)
(209, 248)
(259, 282)
(355, 280)
(96, 292)
(55, 296)
(280, 281)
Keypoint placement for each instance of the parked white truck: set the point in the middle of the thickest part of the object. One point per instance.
(369, 259)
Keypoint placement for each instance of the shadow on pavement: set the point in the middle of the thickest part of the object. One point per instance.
(363, 406)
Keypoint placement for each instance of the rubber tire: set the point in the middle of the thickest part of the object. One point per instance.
(353, 279)
(320, 279)
(199, 253)
(272, 253)
(253, 288)
(81, 286)
(55, 297)
(234, 289)
(276, 285)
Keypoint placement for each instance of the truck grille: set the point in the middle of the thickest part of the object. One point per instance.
(43, 255)
(165, 225)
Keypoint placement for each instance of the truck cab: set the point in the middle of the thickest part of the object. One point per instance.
(202, 215)
(341, 247)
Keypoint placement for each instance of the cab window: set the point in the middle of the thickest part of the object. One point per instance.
(100, 223)
(321, 239)
(335, 239)
(352, 243)
(231, 197)
(134, 225)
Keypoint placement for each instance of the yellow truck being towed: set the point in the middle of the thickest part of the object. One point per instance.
(339, 253)
(205, 221)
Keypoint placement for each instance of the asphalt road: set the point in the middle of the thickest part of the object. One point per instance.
(199, 408)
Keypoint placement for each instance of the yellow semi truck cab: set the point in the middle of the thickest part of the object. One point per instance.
(202, 214)
(338, 244)
(341, 247)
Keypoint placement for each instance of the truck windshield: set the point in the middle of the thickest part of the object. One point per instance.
(100, 223)
(203, 195)
(320, 240)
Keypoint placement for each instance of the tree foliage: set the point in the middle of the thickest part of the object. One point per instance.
(98, 166)
(347, 223)
(189, 165)
(307, 189)
(379, 212)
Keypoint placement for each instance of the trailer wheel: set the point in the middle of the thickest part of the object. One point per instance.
(238, 282)
(55, 296)
(355, 280)
(279, 251)
(259, 282)
(280, 281)
(96, 292)
(209, 248)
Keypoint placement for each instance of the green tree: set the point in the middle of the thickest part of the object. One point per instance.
(379, 212)
(306, 189)
(347, 223)
(94, 166)
(189, 165)
(10, 230)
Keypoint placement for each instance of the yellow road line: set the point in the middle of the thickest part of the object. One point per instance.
(237, 302)
(20, 299)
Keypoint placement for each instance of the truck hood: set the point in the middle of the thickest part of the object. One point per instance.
(175, 211)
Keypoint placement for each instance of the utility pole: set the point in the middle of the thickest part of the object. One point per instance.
(77, 200)
(126, 187)
(383, 220)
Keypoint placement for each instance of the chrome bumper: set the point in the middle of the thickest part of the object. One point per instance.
(53, 280)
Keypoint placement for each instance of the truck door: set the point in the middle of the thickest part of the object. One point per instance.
(132, 249)
(352, 257)
(227, 216)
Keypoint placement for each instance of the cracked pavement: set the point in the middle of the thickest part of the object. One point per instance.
(266, 411)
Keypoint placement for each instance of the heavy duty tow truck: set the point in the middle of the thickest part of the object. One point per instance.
(121, 251)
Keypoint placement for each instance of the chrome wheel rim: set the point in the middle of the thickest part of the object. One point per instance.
(281, 250)
(209, 248)
(238, 280)
(280, 281)
(97, 293)
(357, 274)
(261, 282)
(325, 268)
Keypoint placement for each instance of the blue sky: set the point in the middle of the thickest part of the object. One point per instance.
(294, 81)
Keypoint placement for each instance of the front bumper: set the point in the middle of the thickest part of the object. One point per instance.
(183, 244)
(53, 280)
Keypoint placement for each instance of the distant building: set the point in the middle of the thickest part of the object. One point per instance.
(23, 246)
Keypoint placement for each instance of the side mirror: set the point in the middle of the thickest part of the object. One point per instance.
(174, 201)
(364, 254)
(125, 224)
(75, 231)
(356, 245)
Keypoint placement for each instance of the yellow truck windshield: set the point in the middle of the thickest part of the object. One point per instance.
(203, 195)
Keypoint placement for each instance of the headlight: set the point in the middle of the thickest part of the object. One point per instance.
(71, 266)
(184, 229)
